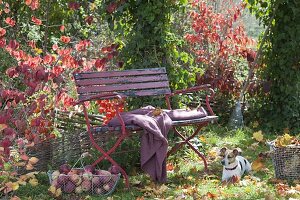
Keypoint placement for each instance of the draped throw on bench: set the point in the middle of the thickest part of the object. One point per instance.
(154, 142)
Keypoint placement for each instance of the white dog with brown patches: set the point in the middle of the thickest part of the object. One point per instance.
(234, 165)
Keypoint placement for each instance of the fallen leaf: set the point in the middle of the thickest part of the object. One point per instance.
(33, 182)
(212, 154)
(20, 164)
(202, 139)
(258, 164)
(29, 166)
(31, 144)
(255, 124)
(22, 182)
(270, 197)
(157, 111)
(276, 181)
(161, 189)
(15, 186)
(2, 127)
(31, 174)
(58, 192)
(8, 187)
(258, 136)
(282, 141)
(24, 157)
(15, 198)
(254, 146)
(170, 167)
(33, 160)
(211, 195)
(55, 192)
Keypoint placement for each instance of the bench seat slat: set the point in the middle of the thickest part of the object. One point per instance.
(121, 80)
(85, 75)
(131, 93)
(100, 129)
(121, 87)
(194, 121)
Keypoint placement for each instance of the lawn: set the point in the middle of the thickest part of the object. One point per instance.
(187, 180)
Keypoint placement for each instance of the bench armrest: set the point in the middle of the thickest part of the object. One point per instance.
(194, 89)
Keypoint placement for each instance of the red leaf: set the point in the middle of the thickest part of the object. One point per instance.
(10, 21)
(13, 44)
(2, 41)
(2, 32)
(36, 20)
(62, 28)
(24, 157)
(65, 39)
(28, 2)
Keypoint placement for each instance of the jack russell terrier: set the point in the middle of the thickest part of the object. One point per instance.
(234, 165)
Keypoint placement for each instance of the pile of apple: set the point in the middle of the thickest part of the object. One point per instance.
(87, 179)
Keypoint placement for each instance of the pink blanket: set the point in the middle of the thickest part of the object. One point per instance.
(154, 143)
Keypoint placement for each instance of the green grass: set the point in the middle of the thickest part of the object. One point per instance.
(188, 180)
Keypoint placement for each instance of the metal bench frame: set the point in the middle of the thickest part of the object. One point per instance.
(93, 86)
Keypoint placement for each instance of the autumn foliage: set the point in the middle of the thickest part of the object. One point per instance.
(38, 82)
(219, 42)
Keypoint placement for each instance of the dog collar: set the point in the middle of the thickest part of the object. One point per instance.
(231, 168)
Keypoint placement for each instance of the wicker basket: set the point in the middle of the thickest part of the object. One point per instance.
(93, 184)
(286, 161)
(77, 180)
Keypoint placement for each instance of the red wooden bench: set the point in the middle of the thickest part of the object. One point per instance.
(135, 83)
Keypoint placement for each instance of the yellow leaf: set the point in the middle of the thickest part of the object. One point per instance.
(33, 182)
(58, 192)
(32, 174)
(20, 164)
(33, 160)
(157, 111)
(282, 141)
(15, 186)
(93, 6)
(38, 51)
(29, 166)
(2, 127)
(162, 189)
(202, 139)
(21, 182)
(257, 164)
(297, 187)
(52, 189)
(212, 154)
(255, 124)
(258, 136)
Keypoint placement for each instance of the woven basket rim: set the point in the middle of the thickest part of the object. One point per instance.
(291, 146)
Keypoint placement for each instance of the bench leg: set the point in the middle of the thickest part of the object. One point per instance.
(186, 141)
(105, 155)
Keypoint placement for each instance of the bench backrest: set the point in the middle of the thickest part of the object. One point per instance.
(138, 82)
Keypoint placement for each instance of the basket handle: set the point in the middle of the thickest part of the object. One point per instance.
(271, 145)
(80, 159)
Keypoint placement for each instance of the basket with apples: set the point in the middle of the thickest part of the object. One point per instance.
(84, 180)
